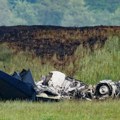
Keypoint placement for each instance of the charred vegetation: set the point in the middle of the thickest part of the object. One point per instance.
(56, 43)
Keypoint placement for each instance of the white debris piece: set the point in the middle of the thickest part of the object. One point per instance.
(106, 88)
(57, 85)
(57, 79)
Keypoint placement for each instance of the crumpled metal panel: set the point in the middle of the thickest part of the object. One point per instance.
(12, 88)
(70, 88)
(54, 86)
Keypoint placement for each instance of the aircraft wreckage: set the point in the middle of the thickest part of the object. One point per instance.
(54, 86)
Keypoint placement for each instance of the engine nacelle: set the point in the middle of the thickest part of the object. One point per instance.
(106, 88)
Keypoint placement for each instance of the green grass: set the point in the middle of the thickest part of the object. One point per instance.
(67, 110)
(11, 61)
(90, 67)
(101, 64)
(84, 65)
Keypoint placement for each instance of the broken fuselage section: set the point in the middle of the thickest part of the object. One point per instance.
(63, 87)
(55, 86)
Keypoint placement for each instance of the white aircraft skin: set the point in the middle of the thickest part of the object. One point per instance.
(57, 79)
(58, 84)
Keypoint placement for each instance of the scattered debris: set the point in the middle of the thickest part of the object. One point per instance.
(54, 86)
(107, 88)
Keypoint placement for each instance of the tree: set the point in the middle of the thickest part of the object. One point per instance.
(109, 5)
(25, 10)
(50, 12)
(59, 12)
(7, 17)
(77, 14)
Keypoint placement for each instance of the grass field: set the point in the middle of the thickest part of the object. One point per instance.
(67, 110)
(90, 68)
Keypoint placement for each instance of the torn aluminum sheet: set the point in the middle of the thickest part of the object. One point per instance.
(54, 86)
(65, 87)
(58, 84)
